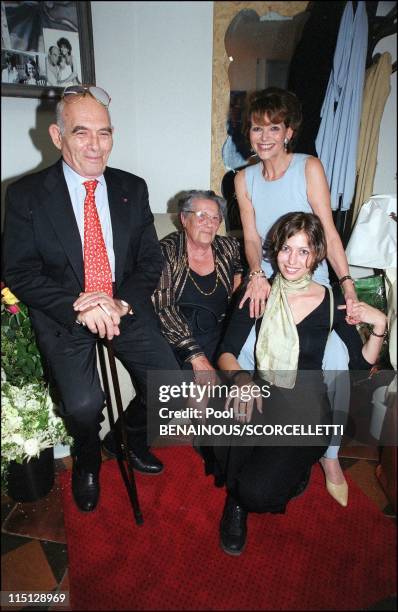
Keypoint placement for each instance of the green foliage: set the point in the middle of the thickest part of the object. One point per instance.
(21, 360)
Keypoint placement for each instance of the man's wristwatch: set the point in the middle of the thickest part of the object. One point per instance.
(127, 305)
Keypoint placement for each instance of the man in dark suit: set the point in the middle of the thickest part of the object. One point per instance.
(82, 253)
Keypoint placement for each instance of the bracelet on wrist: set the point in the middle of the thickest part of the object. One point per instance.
(344, 278)
(383, 335)
(259, 273)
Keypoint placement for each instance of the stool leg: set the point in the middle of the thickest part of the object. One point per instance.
(129, 480)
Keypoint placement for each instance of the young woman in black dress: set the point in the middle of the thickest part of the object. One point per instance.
(291, 338)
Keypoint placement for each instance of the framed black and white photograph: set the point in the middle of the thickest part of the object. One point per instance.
(45, 46)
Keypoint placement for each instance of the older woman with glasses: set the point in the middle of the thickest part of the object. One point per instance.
(201, 272)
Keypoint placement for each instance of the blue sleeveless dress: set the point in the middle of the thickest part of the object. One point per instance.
(271, 200)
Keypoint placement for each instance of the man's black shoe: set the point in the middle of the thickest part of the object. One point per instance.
(233, 528)
(142, 461)
(85, 488)
(146, 462)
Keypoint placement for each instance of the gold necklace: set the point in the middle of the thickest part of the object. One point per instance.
(197, 286)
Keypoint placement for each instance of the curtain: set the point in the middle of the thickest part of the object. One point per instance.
(376, 91)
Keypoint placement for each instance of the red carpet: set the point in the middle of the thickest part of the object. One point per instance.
(318, 556)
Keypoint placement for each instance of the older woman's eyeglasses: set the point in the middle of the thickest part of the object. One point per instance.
(73, 93)
(204, 217)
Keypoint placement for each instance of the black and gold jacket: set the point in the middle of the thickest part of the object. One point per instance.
(174, 326)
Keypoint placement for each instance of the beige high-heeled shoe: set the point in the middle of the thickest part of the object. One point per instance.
(339, 492)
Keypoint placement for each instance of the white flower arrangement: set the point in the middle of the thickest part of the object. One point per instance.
(28, 423)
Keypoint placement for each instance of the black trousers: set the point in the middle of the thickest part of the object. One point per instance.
(73, 368)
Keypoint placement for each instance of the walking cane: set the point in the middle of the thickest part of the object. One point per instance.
(121, 443)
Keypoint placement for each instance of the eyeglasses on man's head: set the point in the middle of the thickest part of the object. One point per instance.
(73, 93)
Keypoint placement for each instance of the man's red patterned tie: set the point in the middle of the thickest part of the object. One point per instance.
(97, 270)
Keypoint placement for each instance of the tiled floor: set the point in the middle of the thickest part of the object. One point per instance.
(34, 552)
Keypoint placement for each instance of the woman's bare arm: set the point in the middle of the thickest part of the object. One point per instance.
(319, 198)
(258, 287)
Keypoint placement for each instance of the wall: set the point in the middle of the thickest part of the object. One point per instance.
(25, 144)
(160, 80)
(155, 59)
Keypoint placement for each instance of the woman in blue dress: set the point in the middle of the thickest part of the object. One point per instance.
(283, 182)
